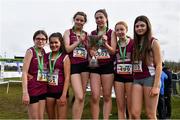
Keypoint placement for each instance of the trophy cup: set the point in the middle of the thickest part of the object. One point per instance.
(93, 63)
(93, 44)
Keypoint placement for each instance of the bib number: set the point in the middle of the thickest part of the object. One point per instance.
(137, 66)
(53, 79)
(80, 52)
(42, 76)
(102, 54)
(152, 70)
(124, 69)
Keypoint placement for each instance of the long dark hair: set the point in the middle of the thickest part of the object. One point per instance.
(146, 49)
(103, 11)
(60, 38)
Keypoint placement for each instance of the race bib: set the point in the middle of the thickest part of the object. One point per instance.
(152, 70)
(137, 66)
(80, 52)
(42, 76)
(102, 54)
(53, 80)
(124, 68)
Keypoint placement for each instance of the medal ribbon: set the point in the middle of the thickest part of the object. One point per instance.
(51, 65)
(122, 54)
(40, 60)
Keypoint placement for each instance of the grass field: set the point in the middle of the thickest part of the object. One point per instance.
(11, 106)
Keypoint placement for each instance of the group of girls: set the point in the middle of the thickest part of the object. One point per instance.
(46, 77)
(132, 66)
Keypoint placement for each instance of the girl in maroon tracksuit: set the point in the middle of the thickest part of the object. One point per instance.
(35, 87)
(58, 78)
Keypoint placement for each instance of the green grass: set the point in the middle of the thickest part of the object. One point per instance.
(178, 88)
(11, 106)
(14, 78)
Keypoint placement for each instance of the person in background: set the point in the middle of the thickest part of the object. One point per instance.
(179, 80)
(101, 78)
(35, 87)
(161, 101)
(76, 40)
(147, 67)
(123, 70)
(174, 83)
(168, 91)
(58, 80)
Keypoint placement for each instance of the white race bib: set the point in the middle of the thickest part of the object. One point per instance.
(53, 79)
(137, 66)
(152, 70)
(124, 68)
(80, 52)
(42, 76)
(102, 54)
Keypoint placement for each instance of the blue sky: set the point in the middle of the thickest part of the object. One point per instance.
(21, 18)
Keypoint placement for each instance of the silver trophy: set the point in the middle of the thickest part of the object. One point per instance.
(93, 63)
(94, 45)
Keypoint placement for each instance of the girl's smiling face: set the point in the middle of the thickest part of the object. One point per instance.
(140, 28)
(121, 31)
(79, 21)
(40, 41)
(55, 44)
(101, 20)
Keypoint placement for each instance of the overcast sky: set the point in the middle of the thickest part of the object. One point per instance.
(21, 18)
